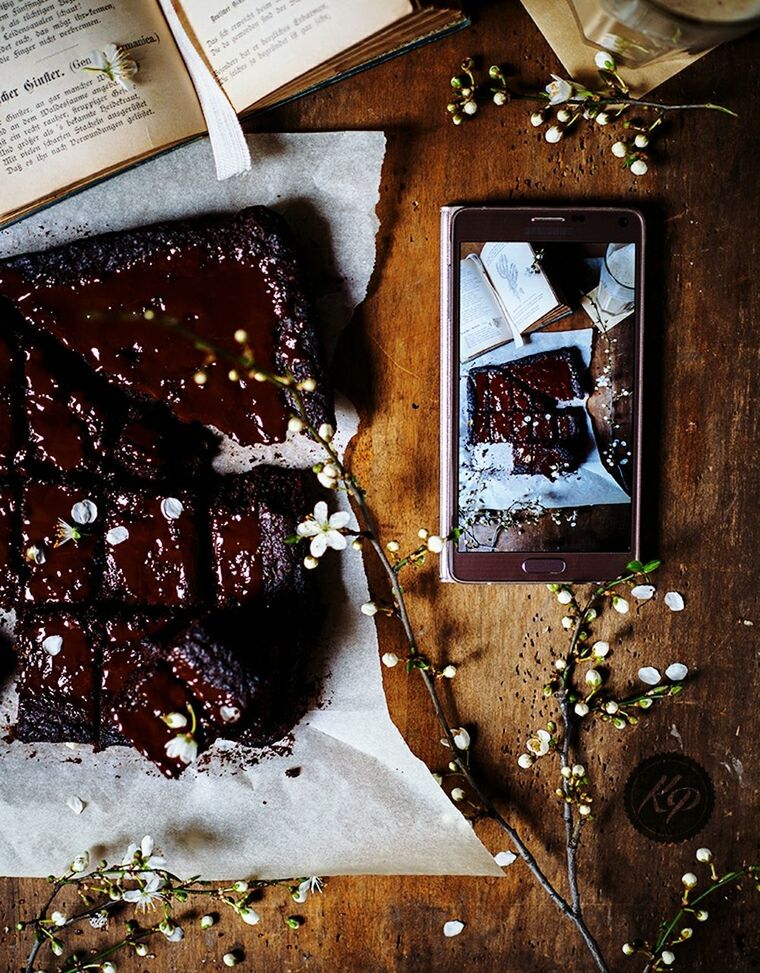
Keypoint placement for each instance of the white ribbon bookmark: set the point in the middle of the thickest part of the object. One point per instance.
(231, 154)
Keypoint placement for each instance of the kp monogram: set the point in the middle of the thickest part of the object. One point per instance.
(669, 797)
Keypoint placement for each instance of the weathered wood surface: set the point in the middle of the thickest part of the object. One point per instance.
(702, 200)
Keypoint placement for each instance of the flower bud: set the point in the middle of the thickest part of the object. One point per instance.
(689, 880)
(390, 659)
(230, 959)
(295, 424)
(310, 562)
(207, 921)
(594, 678)
(584, 810)
(668, 957)
(58, 919)
(639, 167)
(602, 118)
(611, 707)
(326, 431)
(368, 608)
(553, 134)
(536, 119)
(581, 709)
(628, 949)
(308, 384)
(249, 916)
(579, 770)
(564, 597)
(393, 546)
(449, 672)
(563, 115)
(141, 949)
(499, 97)
(107, 967)
(175, 721)
(600, 650)
(241, 336)
(470, 107)
(641, 141)
(701, 915)
(704, 855)
(457, 794)
(604, 62)
(435, 544)
(461, 738)
(525, 761)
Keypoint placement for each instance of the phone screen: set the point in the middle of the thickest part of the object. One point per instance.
(546, 336)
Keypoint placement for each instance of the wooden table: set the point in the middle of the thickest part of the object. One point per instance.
(701, 197)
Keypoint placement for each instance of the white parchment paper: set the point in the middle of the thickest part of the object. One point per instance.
(361, 802)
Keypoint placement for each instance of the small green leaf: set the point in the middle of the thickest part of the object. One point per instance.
(293, 539)
(635, 566)
(651, 566)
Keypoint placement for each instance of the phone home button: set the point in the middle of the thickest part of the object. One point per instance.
(544, 565)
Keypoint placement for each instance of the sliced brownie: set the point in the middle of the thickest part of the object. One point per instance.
(59, 683)
(148, 308)
(152, 445)
(65, 422)
(556, 373)
(151, 549)
(59, 540)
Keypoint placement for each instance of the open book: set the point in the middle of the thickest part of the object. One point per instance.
(504, 293)
(62, 127)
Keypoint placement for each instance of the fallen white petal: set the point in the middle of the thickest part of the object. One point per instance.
(172, 508)
(452, 928)
(674, 601)
(75, 803)
(649, 675)
(504, 858)
(84, 512)
(677, 671)
(52, 644)
(117, 535)
(643, 591)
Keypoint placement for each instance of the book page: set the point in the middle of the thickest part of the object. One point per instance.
(481, 323)
(256, 46)
(60, 125)
(519, 281)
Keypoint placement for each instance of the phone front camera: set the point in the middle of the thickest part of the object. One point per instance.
(623, 221)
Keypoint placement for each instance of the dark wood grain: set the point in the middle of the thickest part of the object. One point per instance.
(701, 197)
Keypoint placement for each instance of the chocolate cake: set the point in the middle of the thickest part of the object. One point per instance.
(118, 301)
(147, 584)
(519, 403)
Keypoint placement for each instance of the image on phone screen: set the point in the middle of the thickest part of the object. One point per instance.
(547, 345)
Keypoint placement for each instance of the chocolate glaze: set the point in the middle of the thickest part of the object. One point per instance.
(68, 571)
(211, 277)
(157, 563)
(8, 544)
(556, 373)
(138, 711)
(121, 661)
(65, 424)
(57, 693)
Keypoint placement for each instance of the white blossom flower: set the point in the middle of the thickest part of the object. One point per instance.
(52, 644)
(457, 794)
(620, 605)
(619, 149)
(295, 424)
(581, 709)
(309, 885)
(643, 592)
(58, 918)
(602, 118)
(452, 928)
(504, 858)
(584, 810)
(525, 761)
(564, 596)
(369, 608)
(461, 738)
(578, 770)
(470, 107)
(324, 530)
(84, 512)
(641, 141)
(390, 659)
(677, 671)
(35, 555)
(553, 134)
(604, 61)
(115, 63)
(594, 678)
(142, 854)
(559, 90)
(449, 672)
(639, 167)
(567, 623)
(435, 544)
(64, 533)
(674, 601)
(668, 957)
(689, 880)
(560, 665)
(704, 855)
(145, 897)
(539, 744)
(249, 916)
(81, 862)
(600, 649)
(536, 119)
(182, 747)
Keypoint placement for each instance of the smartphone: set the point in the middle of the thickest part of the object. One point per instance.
(541, 379)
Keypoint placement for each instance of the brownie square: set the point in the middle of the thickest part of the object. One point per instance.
(152, 446)
(59, 682)
(555, 373)
(123, 659)
(251, 516)
(60, 567)
(138, 715)
(151, 549)
(8, 547)
(65, 421)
